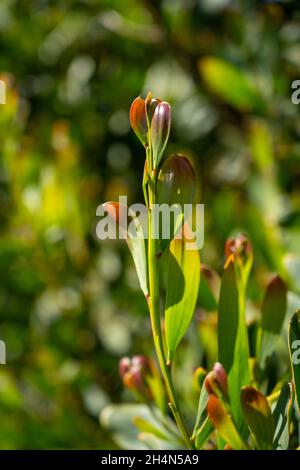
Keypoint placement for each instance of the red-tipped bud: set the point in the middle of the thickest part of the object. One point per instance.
(239, 251)
(176, 181)
(151, 106)
(221, 377)
(140, 361)
(238, 247)
(222, 421)
(138, 119)
(216, 381)
(160, 130)
(124, 366)
(134, 373)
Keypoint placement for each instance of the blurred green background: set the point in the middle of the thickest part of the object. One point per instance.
(70, 306)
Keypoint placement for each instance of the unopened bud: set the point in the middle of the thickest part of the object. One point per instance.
(138, 119)
(134, 372)
(151, 106)
(221, 377)
(239, 247)
(160, 130)
(176, 181)
(124, 366)
(216, 381)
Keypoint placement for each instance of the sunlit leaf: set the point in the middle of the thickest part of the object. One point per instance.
(230, 84)
(182, 291)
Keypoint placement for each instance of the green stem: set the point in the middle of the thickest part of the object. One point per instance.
(155, 319)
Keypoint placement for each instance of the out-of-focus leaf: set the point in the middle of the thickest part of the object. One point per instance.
(230, 84)
(258, 416)
(273, 313)
(118, 419)
(145, 426)
(158, 391)
(261, 144)
(125, 422)
(223, 423)
(282, 416)
(182, 291)
(153, 442)
(233, 341)
(294, 348)
(209, 289)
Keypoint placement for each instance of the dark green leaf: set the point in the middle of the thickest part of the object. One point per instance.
(282, 416)
(258, 416)
(294, 348)
(273, 313)
(233, 341)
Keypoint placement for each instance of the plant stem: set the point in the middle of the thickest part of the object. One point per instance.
(155, 319)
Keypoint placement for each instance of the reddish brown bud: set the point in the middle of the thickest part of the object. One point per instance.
(138, 119)
(238, 246)
(221, 377)
(176, 181)
(134, 373)
(151, 106)
(124, 366)
(216, 381)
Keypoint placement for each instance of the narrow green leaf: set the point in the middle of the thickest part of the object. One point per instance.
(233, 341)
(230, 83)
(294, 348)
(203, 433)
(209, 289)
(136, 245)
(182, 291)
(273, 313)
(282, 417)
(258, 417)
(201, 414)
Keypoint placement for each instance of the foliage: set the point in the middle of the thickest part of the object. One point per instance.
(71, 307)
